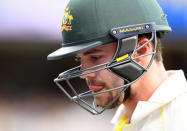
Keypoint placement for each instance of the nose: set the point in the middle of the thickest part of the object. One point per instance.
(87, 74)
(85, 64)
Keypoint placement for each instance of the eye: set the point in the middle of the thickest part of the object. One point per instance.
(95, 58)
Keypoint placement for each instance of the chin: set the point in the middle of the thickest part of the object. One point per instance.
(103, 101)
(114, 105)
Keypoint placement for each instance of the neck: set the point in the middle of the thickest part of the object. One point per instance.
(143, 89)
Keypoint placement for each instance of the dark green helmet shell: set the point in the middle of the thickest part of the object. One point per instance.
(86, 23)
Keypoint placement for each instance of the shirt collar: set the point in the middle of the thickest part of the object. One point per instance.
(170, 89)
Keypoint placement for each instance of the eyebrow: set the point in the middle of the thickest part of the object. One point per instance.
(92, 51)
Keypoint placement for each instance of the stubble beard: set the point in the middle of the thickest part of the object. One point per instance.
(108, 96)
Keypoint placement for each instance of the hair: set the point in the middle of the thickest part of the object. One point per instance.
(159, 35)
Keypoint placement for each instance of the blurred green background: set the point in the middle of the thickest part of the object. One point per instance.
(29, 100)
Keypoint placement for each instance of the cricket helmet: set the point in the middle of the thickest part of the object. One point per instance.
(90, 23)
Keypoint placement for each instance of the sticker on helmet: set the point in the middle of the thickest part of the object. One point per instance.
(131, 29)
(66, 22)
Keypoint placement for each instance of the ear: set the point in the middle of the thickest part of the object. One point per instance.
(144, 50)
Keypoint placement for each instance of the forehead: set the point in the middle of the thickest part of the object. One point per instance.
(111, 47)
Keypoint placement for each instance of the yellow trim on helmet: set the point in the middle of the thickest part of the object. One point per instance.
(122, 57)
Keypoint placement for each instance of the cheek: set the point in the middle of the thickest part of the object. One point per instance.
(116, 81)
(110, 79)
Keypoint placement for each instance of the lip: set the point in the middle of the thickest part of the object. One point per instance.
(96, 88)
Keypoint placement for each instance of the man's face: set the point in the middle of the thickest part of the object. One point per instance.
(104, 79)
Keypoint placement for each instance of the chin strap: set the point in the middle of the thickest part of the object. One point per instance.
(127, 93)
